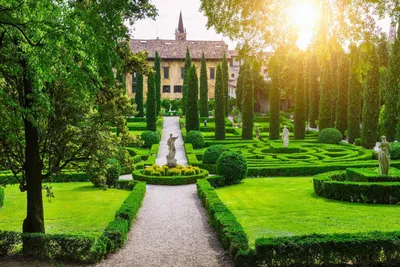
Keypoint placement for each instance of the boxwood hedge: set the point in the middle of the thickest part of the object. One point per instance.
(168, 180)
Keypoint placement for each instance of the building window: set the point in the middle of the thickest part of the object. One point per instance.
(178, 89)
(166, 72)
(212, 73)
(182, 73)
(166, 89)
(233, 75)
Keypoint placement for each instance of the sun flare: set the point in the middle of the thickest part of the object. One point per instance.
(303, 16)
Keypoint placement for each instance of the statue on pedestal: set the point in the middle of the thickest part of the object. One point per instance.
(384, 156)
(285, 136)
(171, 161)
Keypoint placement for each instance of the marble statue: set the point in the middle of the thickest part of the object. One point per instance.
(171, 161)
(384, 156)
(285, 136)
(170, 107)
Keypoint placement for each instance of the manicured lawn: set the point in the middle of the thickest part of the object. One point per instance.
(273, 207)
(76, 208)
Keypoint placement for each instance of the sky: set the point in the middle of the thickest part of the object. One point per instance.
(167, 20)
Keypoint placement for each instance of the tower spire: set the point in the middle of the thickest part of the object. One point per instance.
(180, 32)
(180, 24)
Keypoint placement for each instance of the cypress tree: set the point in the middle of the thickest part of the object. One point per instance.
(354, 99)
(275, 100)
(306, 87)
(188, 63)
(219, 106)
(325, 104)
(151, 103)
(248, 104)
(239, 88)
(391, 110)
(192, 112)
(371, 107)
(313, 91)
(341, 102)
(139, 95)
(203, 88)
(225, 81)
(299, 108)
(157, 67)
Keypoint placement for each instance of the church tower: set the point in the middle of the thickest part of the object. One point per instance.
(180, 32)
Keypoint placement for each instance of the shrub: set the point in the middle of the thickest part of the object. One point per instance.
(395, 150)
(148, 170)
(155, 174)
(195, 138)
(189, 171)
(330, 136)
(357, 141)
(173, 172)
(113, 172)
(232, 166)
(1, 197)
(149, 138)
(212, 153)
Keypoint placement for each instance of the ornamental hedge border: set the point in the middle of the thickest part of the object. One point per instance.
(168, 180)
(335, 186)
(79, 248)
(1, 197)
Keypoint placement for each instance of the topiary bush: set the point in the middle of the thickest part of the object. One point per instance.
(173, 172)
(195, 138)
(330, 136)
(395, 150)
(212, 153)
(113, 172)
(232, 166)
(149, 138)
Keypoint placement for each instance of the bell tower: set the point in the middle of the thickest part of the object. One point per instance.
(180, 32)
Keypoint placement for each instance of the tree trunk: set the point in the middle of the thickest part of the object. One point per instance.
(34, 221)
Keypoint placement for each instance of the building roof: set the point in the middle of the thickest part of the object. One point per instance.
(176, 49)
(180, 24)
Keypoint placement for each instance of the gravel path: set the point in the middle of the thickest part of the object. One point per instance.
(171, 230)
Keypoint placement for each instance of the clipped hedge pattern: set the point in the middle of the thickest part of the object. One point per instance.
(1, 197)
(168, 180)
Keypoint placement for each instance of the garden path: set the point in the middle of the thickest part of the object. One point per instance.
(171, 126)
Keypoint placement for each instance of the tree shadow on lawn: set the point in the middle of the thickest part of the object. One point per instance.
(86, 188)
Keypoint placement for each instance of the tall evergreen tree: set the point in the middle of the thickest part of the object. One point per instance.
(192, 112)
(225, 81)
(341, 101)
(203, 88)
(371, 107)
(299, 103)
(248, 104)
(275, 100)
(354, 98)
(391, 110)
(188, 63)
(219, 106)
(306, 74)
(151, 103)
(157, 67)
(313, 91)
(239, 88)
(325, 104)
(139, 95)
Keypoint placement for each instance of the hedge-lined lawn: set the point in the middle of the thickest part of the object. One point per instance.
(76, 208)
(271, 207)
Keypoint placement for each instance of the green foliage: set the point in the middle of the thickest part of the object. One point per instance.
(395, 150)
(371, 104)
(225, 80)
(232, 166)
(313, 91)
(248, 104)
(371, 175)
(113, 172)
(195, 138)
(139, 94)
(325, 104)
(1, 199)
(354, 98)
(391, 97)
(219, 105)
(230, 232)
(212, 153)
(173, 176)
(239, 87)
(275, 102)
(203, 88)
(157, 68)
(188, 63)
(192, 94)
(151, 103)
(299, 108)
(341, 103)
(150, 138)
(330, 136)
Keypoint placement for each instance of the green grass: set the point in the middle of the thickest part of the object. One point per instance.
(76, 208)
(272, 207)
